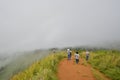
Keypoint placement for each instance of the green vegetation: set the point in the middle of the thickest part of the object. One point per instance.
(45, 69)
(98, 75)
(107, 62)
(20, 62)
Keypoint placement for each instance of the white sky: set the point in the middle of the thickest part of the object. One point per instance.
(34, 24)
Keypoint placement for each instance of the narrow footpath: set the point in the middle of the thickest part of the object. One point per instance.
(69, 70)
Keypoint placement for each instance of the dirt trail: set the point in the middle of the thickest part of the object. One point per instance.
(68, 70)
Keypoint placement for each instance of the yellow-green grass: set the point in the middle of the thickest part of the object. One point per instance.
(45, 69)
(107, 62)
(98, 75)
(20, 62)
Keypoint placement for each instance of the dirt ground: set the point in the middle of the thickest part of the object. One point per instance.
(69, 70)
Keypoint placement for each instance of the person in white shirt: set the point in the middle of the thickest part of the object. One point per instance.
(87, 55)
(68, 52)
(77, 57)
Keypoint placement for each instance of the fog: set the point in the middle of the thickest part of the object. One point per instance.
(42, 24)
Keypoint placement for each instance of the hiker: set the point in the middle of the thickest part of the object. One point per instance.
(68, 52)
(87, 55)
(77, 57)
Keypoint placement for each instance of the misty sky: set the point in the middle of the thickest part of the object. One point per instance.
(34, 24)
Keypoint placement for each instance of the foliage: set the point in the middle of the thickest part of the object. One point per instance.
(45, 69)
(108, 62)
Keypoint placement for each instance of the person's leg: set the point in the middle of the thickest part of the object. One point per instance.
(87, 57)
(68, 57)
(77, 60)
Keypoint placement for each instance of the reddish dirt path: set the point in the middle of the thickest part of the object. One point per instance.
(68, 70)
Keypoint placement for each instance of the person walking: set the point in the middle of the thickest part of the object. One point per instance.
(68, 53)
(77, 57)
(87, 55)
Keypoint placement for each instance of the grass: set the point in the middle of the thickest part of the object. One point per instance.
(98, 75)
(20, 63)
(45, 69)
(103, 61)
(107, 62)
